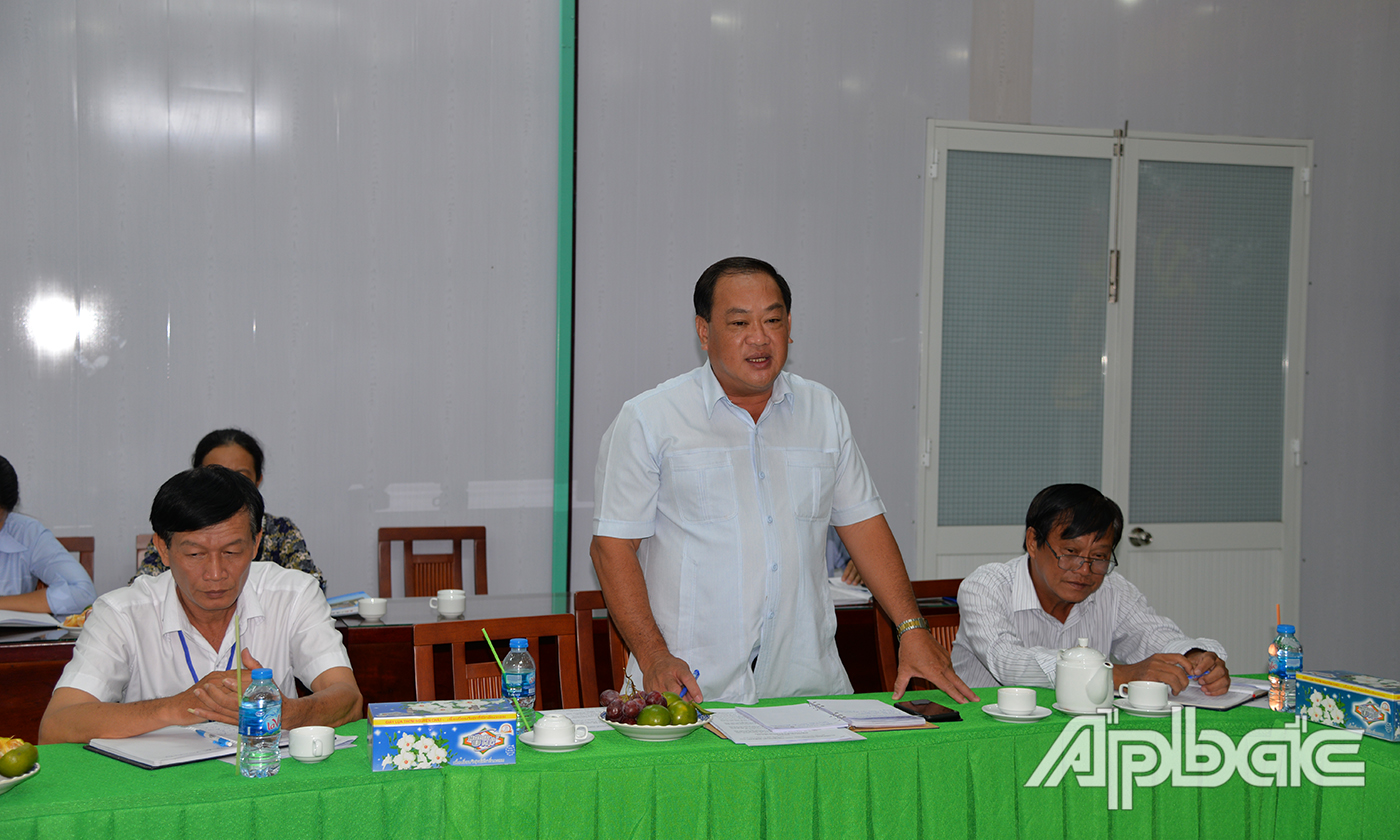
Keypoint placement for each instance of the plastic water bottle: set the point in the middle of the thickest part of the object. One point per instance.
(1285, 661)
(259, 726)
(518, 681)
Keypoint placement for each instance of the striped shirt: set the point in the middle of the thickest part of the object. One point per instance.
(1005, 637)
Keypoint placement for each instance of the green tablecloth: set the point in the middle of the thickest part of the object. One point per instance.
(965, 779)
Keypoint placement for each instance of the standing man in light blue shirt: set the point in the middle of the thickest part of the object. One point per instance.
(714, 491)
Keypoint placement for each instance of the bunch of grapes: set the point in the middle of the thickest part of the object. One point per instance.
(626, 708)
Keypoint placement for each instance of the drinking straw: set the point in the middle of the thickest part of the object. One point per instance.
(1278, 613)
(491, 646)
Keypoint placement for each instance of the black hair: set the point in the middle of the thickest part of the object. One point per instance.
(197, 498)
(9, 486)
(224, 437)
(705, 286)
(1079, 508)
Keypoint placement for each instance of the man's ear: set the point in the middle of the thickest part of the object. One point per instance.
(702, 329)
(162, 550)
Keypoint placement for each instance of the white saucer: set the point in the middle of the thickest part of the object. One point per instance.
(529, 738)
(1039, 713)
(1060, 708)
(1122, 703)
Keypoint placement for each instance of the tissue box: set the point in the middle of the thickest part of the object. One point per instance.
(1349, 700)
(438, 733)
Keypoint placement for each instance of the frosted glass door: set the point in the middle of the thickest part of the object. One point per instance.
(1210, 336)
(1024, 285)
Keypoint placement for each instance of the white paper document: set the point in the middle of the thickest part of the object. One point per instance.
(1242, 690)
(15, 618)
(744, 730)
(867, 713)
(588, 717)
(792, 718)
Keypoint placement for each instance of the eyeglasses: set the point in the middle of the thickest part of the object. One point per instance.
(1075, 562)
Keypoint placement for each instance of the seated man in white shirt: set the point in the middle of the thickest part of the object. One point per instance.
(160, 651)
(1017, 615)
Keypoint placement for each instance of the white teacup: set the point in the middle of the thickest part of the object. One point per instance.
(554, 730)
(1016, 701)
(450, 603)
(1144, 694)
(310, 744)
(372, 607)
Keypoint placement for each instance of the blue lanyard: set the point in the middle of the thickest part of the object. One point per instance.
(190, 665)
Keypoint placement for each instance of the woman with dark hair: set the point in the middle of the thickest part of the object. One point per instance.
(282, 542)
(30, 555)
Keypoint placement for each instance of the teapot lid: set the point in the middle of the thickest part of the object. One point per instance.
(1082, 653)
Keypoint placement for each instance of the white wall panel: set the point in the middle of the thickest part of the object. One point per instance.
(773, 130)
(329, 223)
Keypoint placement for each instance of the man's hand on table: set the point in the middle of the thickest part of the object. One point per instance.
(1210, 671)
(921, 656)
(216, 696)
(1177, 670)
(670, 673)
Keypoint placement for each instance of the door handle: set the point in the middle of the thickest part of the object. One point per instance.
(1139, 537)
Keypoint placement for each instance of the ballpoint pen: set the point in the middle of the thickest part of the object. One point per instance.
(222, 742)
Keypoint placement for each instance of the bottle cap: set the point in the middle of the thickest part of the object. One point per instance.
(519, 643)
(262, 673)
(1286, 629)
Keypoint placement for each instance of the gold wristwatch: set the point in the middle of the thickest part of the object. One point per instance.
(911, 624)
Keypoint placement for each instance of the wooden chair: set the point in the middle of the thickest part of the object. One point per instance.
(425, 574)
(482, 680)
(83, 547)
(943, 625)
(592, 677)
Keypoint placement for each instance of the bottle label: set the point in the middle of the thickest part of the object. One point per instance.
(518, 685)
(257, 720)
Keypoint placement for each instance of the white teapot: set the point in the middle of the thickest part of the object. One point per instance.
(1083, 679)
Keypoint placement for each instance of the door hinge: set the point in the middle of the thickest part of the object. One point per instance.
(1113, 275)
(1297, 453)
(1306, 172)
(933, 166)
(928, 453)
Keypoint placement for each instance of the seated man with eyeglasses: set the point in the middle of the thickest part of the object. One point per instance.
(1017, 615)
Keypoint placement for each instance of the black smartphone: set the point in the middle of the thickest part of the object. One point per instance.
(928, 710)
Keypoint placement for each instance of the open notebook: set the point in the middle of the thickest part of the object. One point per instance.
(174, 745)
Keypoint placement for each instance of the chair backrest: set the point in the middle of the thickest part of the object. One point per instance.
(942, 624)
(425, 574)
(482, 679)
(593, 676)
(83, 547)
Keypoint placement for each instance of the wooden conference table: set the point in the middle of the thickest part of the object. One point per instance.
(965, 779)
(381, 653)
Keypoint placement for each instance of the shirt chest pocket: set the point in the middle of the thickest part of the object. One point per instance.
(702, 486)
(811, 479)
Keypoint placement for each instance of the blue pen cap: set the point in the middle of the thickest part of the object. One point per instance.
(262, 673)
(1286, 629)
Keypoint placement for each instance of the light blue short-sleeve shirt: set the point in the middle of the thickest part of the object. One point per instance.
(31, 554)
(733, 516)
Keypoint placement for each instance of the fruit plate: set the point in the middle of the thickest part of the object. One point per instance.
(6, 784)
(655, 733)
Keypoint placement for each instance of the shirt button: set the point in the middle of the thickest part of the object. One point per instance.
(761, 476)
(770, 520)
(773, 568)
